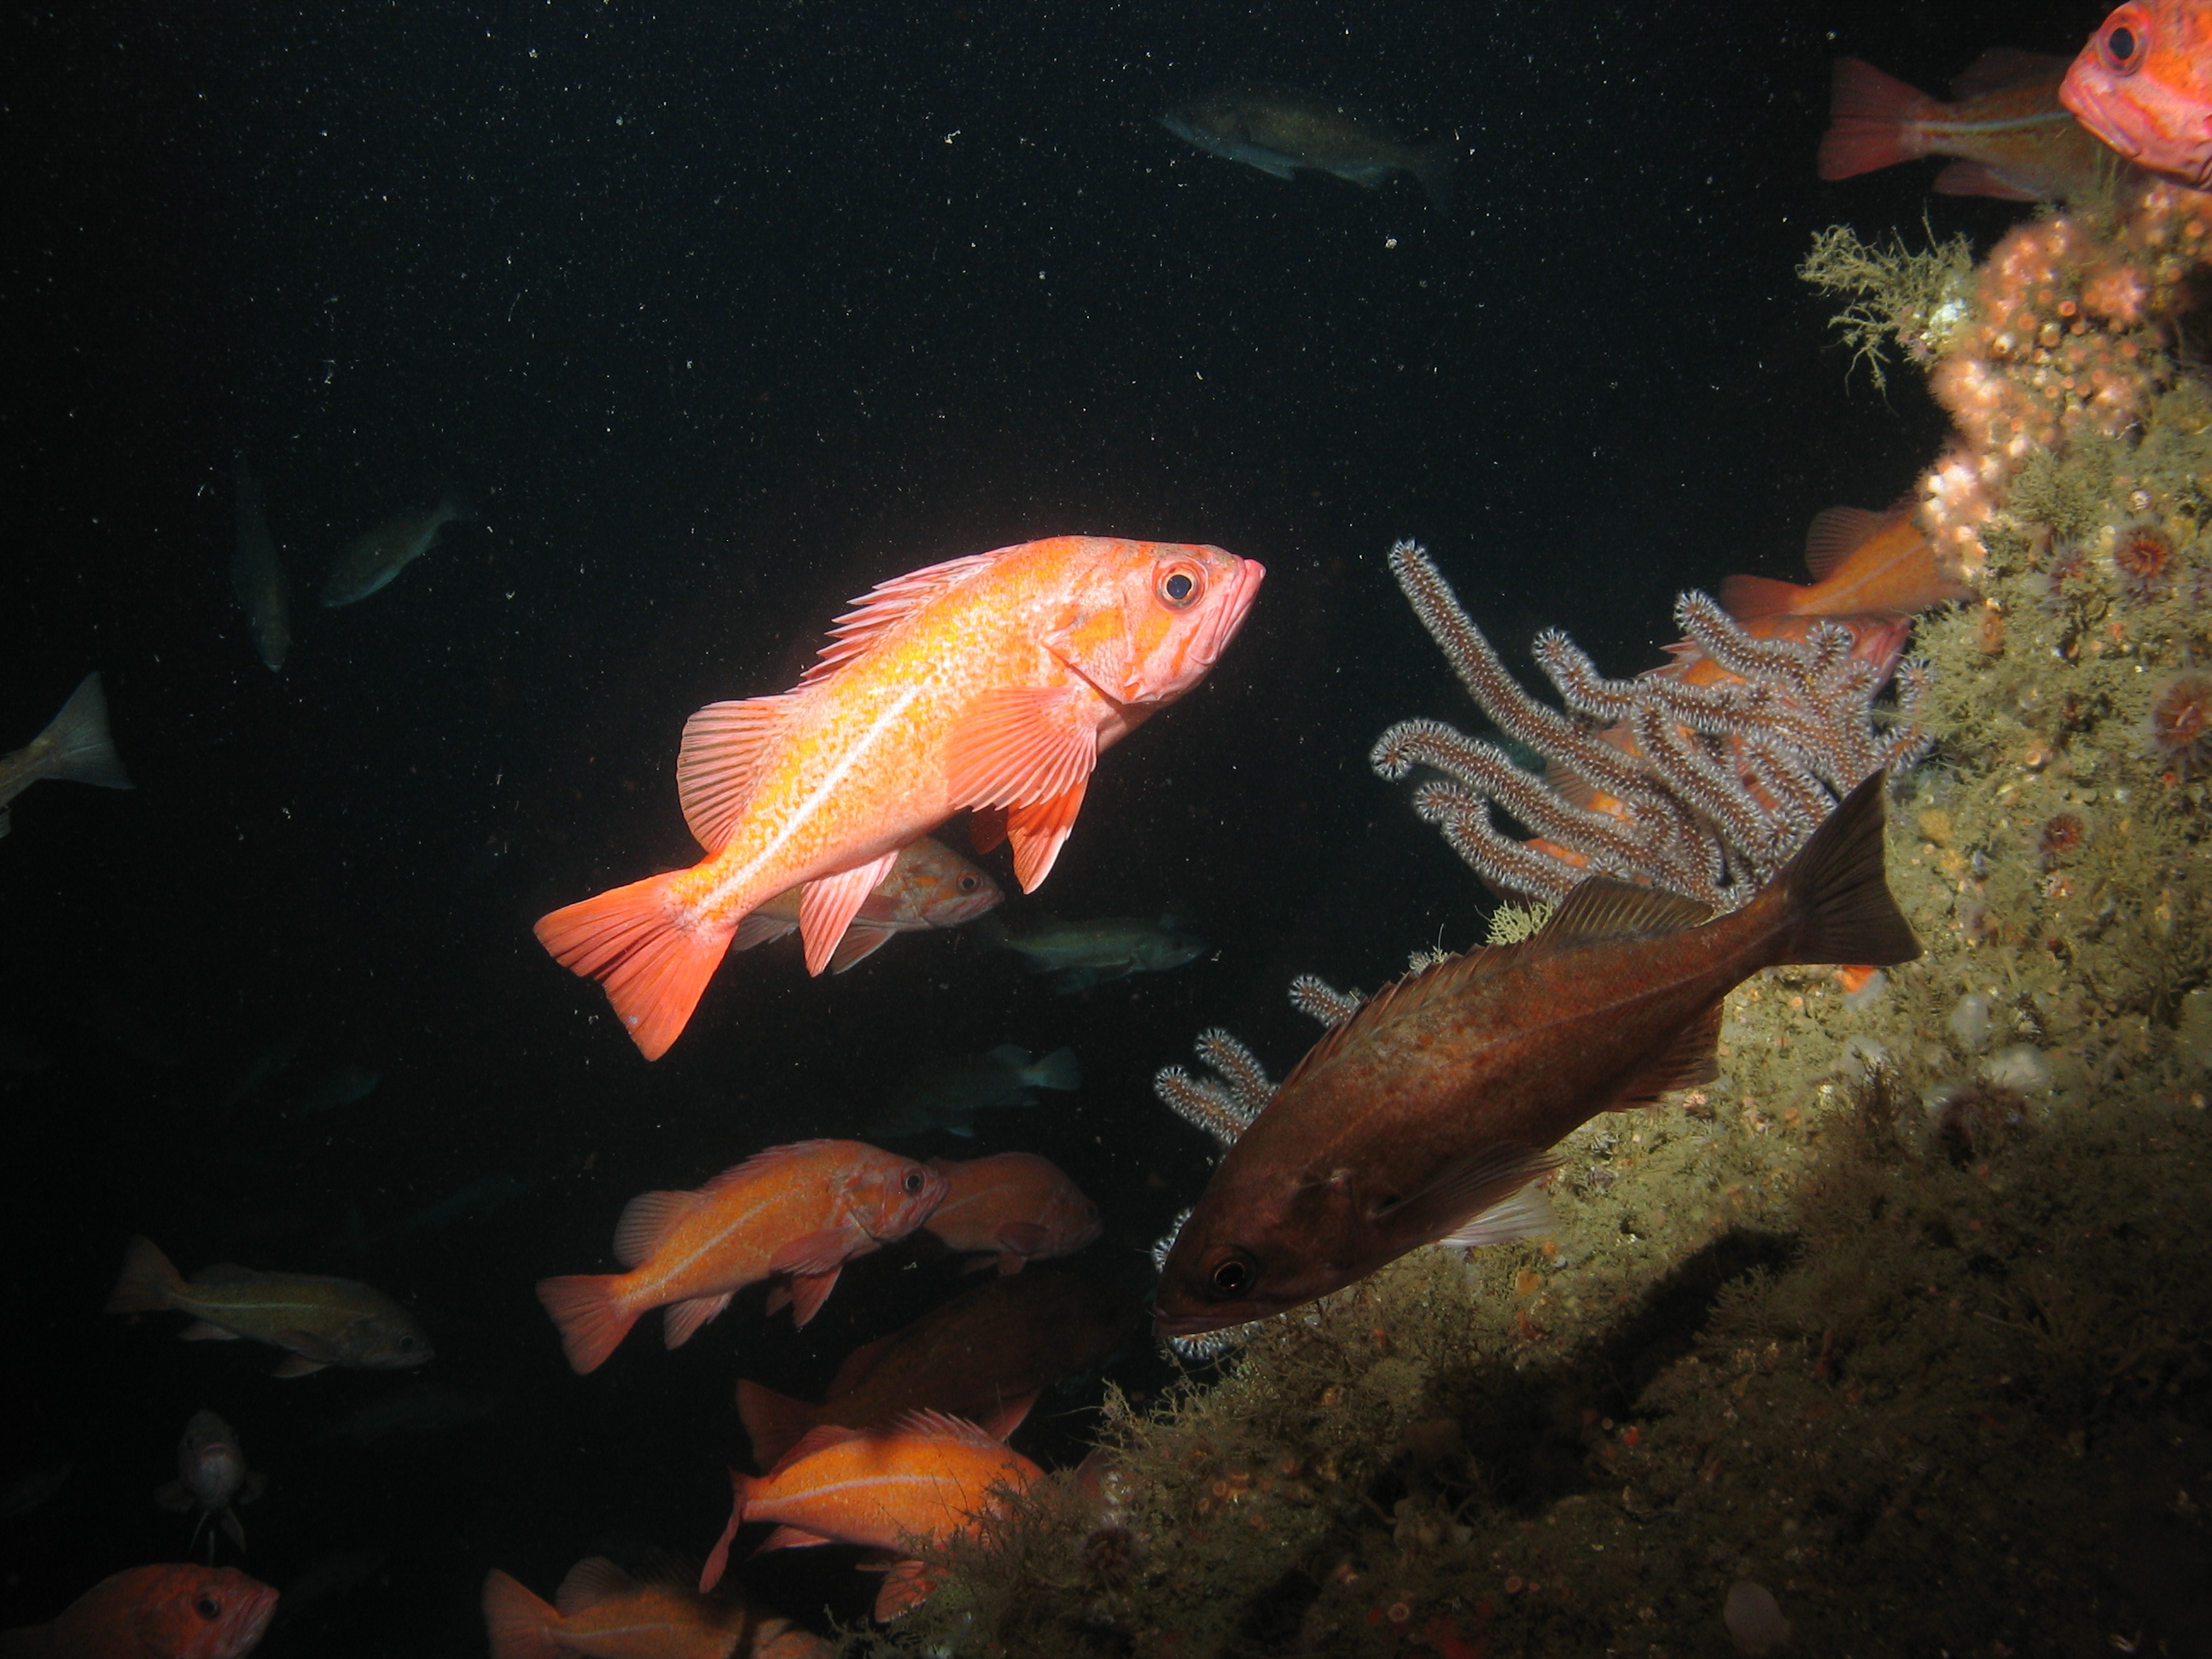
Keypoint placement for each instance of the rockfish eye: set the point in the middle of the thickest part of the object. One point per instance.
(208, 1608)
(967, 884)
(1179, 585)
(1232, 1275)
(2122, 42)
(913, 1183)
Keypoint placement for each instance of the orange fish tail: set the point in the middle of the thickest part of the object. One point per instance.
(518, 1623)
(1837, 897)
(653, 956)
(1871, 116)
(592, 1315)
(775, 1421)
(1749, 599)
(147, 1281)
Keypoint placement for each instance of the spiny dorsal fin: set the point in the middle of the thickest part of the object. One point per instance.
(1446, 978)
(1599, 906)
(645, 1221)
(769, 1159)
(2006, 66)
(887, 604)
(592, 1580)
(723, 744)
(1834, 534)
(942, 1426)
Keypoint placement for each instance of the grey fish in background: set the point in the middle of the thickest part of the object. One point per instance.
(1279, 131)
(948, 1094)
(211, 1477)
(419, 1409)
(478, 1198)
(1074, 956)
(75, 748)
(339, 1088)
(376, 556)
(256, 576)
(28, 1490)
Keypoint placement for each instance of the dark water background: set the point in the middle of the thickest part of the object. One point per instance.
(724, 313)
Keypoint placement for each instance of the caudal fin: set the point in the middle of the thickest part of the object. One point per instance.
(1749, 599)
(148, 1281)
(1058, 1070)
(1873, 121)
(1837, 895)
(653, 957)
(775, 1421)
(76, 743)
(518, 1623)
(592, 1318)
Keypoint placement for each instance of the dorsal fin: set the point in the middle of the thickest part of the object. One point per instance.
(1599, 906)
(887, 604)
(645, 1221)
(2006, 66)
(1835, 534)
(592, 1580)
(1446, 978)
(762, 1163)
(862, 1360)
(819, 1438)
(942, 1426)
(723, 746)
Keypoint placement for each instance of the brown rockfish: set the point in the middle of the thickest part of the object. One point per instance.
(1278, 130)
(1422, 1118)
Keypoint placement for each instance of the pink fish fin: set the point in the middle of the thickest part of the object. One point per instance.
(821, 1252)
(819, 1438)
(987, 828)
(724, 746)
(860, 942)
(792, 1538)
(1751, 598)
(2003, 67)
(857, 1364)
(1685, 1063)
(645, 1222)
(887, 604)
(1011, 1414)
(1023, 1237)
(770, 1163)
(1575, 790)
(681, 1321)
(232, 1528)
(1873, 120)
(808, 1292)
(1834, 534)
(928, 1425)
(759, 929)
(652, 954)
(519, 1625)
(1601, 907)
(775, 1422)
(1459, 1194)
(1977, 179)
(831, 903)
(718, 1559)
(298, 1364)
(1022, 743)
(905, 1588)
(174, 1497)
(779, 1298)
(589, 1312)
(201, 1331)
(150, 1280)
(592, 1580)
(1038, 830)
(1524, 1213)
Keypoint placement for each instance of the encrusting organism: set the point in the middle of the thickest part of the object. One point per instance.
(2177, 731)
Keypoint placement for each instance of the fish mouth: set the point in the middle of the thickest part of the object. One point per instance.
(1230, 616)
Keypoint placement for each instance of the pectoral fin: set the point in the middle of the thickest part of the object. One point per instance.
(831, 903)
(1459, 1196)
(1022, 743)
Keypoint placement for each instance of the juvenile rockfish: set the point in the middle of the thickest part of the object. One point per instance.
(211, 1478)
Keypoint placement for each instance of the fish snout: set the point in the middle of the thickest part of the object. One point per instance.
(1229, 611)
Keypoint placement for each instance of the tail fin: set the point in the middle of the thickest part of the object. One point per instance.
(1747, 598)
(79, 748)
(718, 1559)
(589, 1309)
(1836, 895)
(1870, 121)
(775, 1421)
(148, 1281)
(653, 958)
(1434, 172)
(1058, 1070)
(518, 1623)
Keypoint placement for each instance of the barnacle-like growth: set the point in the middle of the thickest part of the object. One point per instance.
(1919, 301)
(1703, 789)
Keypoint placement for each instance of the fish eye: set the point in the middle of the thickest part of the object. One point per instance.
(208, 1608)
(2122, 42)
(1179, 586)
(967, 884)
(1232, 1275)
(913, 1183)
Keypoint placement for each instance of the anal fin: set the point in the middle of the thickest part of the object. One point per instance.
(831, 903)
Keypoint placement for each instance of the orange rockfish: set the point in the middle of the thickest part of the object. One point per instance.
(2013, 138)
(602, 1613)
(929, 886)
(801, 1211)
(1016, 1205)
(991, 681)
(2143, 84)
(154, 1613)
(1424, 1118)
(1863, 564)
(927, 1476)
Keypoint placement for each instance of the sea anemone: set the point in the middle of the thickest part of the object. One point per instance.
(2061, 838)
(2177, 731)
(2142, 557)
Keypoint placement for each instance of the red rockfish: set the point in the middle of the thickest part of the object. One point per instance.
(1423, 1117)
(929, 886)
(1017, 1206)
(2013, 138)
(154, 1613)
(1863, 564)
(802, 1211)
(2143, 84)
(991, 681)
(600, 1612)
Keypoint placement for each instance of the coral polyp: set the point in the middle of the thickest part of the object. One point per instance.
(2177, 731)
(2142, 557)
(2062, 838)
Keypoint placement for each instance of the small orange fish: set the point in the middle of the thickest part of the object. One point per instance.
(991, 682)
(929, 886)
(1864, 564)
(602, 1613)
(1015, 1204)
(2143, 84)
(155, 1613)
(928, 1476)
(2015, 140)
(801, 1211)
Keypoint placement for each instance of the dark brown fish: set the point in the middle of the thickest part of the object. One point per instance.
(1423, 1117)
(985, 1355)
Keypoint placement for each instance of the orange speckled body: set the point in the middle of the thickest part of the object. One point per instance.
(2143, 84)
(1864, 565)
(155, 1612)
(1017, 1205)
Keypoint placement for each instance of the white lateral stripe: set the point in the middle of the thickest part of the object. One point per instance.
(824, 790)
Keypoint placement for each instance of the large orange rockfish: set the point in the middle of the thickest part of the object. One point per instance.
(163, 1611)
(2143, 84)
(1423, 1117)
(991, 681)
